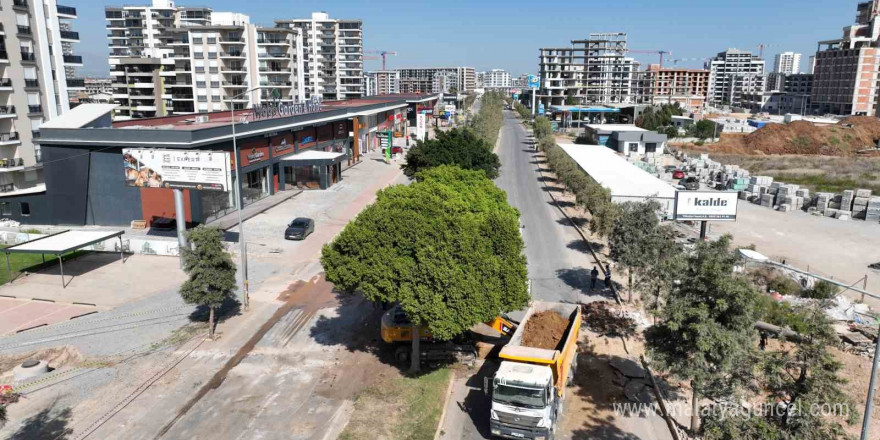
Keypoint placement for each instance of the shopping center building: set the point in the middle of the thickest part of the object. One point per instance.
(306, 146)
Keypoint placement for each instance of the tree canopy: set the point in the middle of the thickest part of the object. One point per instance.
(653, 118)
(635, 238)
(447, 248)
(460, 147)
(210, 269)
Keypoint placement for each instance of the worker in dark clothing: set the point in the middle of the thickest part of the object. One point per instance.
(763, 344)
(594, 276)
(608, 276)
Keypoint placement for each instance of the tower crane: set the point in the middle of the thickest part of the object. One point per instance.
(660, 52)
(381, 53)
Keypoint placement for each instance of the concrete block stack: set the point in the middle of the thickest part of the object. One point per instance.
(835, 202)
(823, 199)
(873, 212)
(767, 200)
(846, 201)
(802, 192)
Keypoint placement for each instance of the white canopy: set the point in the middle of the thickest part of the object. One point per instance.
(62, 242)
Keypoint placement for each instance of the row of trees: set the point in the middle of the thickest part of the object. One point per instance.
(487, 122)
(704, 333)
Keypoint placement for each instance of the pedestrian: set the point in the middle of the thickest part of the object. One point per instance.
(608, 276)
(763, 343)
(594, 276)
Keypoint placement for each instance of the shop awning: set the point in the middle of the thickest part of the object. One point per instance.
(308, 158)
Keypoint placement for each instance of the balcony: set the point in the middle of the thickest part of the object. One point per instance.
(9, 139)
(28, 57)
(271, 41)
(31, 83)
(69, 35)
(6, 83)
(19, 4)
(35, 134)
(24, 30)
(73, 59)
(232, 54)
(11, 163)
(76, 83)
(274, 55)
(35, 109)
(68, 11)
(7, 111)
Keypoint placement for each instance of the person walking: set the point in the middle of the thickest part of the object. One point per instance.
(608, 276)
(594, 276)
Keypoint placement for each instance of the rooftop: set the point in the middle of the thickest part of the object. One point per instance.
(615, 127)
(615, 173)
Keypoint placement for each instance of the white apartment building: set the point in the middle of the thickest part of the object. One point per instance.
(733, 73)
(195, 60)
(437, 79)
(787, 63)
(595, 71)
(333, 51)
(496, 79)
(382, 82)
(37, 67)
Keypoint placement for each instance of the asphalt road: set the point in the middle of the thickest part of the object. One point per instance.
(559, 263)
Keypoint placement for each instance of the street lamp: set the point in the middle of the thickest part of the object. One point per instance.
(869, 404)
(241, 241)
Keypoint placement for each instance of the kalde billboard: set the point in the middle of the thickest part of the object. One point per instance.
(194, 170)
(706, 205)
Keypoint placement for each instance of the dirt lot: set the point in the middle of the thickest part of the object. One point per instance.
(544, 330)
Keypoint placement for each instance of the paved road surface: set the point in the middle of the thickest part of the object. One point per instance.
(558, 264)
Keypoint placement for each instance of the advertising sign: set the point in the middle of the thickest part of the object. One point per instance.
(541, 109)
(277, 108)
(706, 205)
(534, 82)
(194, 170)
(421, 122)
(449, 108)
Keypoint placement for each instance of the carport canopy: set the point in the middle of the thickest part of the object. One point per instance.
(315, 158)
(62, 243)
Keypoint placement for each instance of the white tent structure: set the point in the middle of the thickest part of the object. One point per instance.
(62, 243)
(627, 182)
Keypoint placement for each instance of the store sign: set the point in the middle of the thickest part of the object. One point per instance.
(194, 170)
(706, 205)
(307, 140)
(280, 109)
(341, 129)
(283, 146)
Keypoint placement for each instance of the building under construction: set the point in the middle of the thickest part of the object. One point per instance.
(595, 71)
(687, 87)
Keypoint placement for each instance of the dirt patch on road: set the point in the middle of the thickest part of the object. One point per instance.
(544, 330)
(57, 357)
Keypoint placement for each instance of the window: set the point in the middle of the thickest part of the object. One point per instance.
(200, 84)
(212, 40)
(203, 98)
(215, 98)
(198, 55)
(197, 40)
(25, 209)
(215, 83)
(634, 146)
(5, 209)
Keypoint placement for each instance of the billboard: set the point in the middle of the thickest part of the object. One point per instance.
(534, 82)
(706, 205)
(421, 126)
(194, 170)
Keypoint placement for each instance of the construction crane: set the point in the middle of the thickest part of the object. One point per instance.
(761, 49)
(381, 53)
(703, 60)
(660, 52)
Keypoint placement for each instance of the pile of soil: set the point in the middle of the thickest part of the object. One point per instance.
(544, 330)
(801, 137)
(605, 319)
(57, 357)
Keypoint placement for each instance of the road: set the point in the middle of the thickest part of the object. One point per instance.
(558, 266)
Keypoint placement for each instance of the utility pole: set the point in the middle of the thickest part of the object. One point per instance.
(869, 405)
(180, 217)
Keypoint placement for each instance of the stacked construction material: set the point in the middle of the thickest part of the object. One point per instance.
(873, 212)
(823, 201)
(767, 200)
(846, 201)
(738, 184)
(860, 203)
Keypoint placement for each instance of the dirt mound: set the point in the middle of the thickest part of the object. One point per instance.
(57, 356)
(801, 137)
(544, 330)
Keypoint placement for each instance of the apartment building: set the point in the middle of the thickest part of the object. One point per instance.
(37, 81)
(594, 71)
(496, 79)
(139, 87)
(733, 73)
(95, 86)
(333, 51)
(845, 73)
(437, 79)
(687, 87)
(382, 82)
(787, 63)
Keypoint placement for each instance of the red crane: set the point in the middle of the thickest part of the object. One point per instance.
(382, 53)
(660, 52)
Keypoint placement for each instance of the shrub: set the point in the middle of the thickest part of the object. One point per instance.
(821, 290)
(784, 285)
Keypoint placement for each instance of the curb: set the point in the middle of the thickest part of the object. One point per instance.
(445, 405)
(580, 232)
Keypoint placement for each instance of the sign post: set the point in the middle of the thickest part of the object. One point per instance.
(534, 85)
(703, 206)
(385, 144)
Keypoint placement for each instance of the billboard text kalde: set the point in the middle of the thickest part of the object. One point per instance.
(706, 205)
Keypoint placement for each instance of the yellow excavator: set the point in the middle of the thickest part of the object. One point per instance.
(397, 329)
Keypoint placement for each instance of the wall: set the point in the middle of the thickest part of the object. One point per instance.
(109, 201)
(66, 171)
(159, 202)
(41, 212)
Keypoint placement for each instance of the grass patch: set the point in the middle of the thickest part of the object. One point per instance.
(30, 263)
(399, 407)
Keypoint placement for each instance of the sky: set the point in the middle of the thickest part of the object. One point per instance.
(490, 34)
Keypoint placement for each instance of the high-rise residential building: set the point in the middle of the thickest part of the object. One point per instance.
(787, 63)
(812, 64)
(333, 51)
(687, 87)
(94, 86)
(37, 81)
(594, 71)
(480, 79)
(520, 81)
(496, 79)
(437, 79)
(176, 60)
(382, 82)
(775, 81)
(733, 73)
(845, 74)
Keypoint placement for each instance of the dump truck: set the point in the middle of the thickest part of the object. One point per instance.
(528, 389)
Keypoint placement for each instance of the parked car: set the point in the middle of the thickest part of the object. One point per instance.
(669, 168)
(299, 229)
(678, 174)
(691, 183)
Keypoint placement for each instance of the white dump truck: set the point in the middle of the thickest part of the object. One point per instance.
(528, 389)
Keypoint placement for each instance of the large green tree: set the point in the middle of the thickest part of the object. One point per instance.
(460, 147)
(634, 237)
(706, 331)
(447, 248)
(210, 270)
(665, 264)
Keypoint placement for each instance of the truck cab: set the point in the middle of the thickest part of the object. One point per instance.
(525, 404)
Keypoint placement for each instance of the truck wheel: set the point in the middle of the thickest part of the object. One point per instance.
(402, 355)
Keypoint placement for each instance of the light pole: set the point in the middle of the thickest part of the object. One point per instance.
(241, 241)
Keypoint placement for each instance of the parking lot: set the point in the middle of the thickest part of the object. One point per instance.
(19, 314)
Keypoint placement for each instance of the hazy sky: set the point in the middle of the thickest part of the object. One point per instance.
(489, 34)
